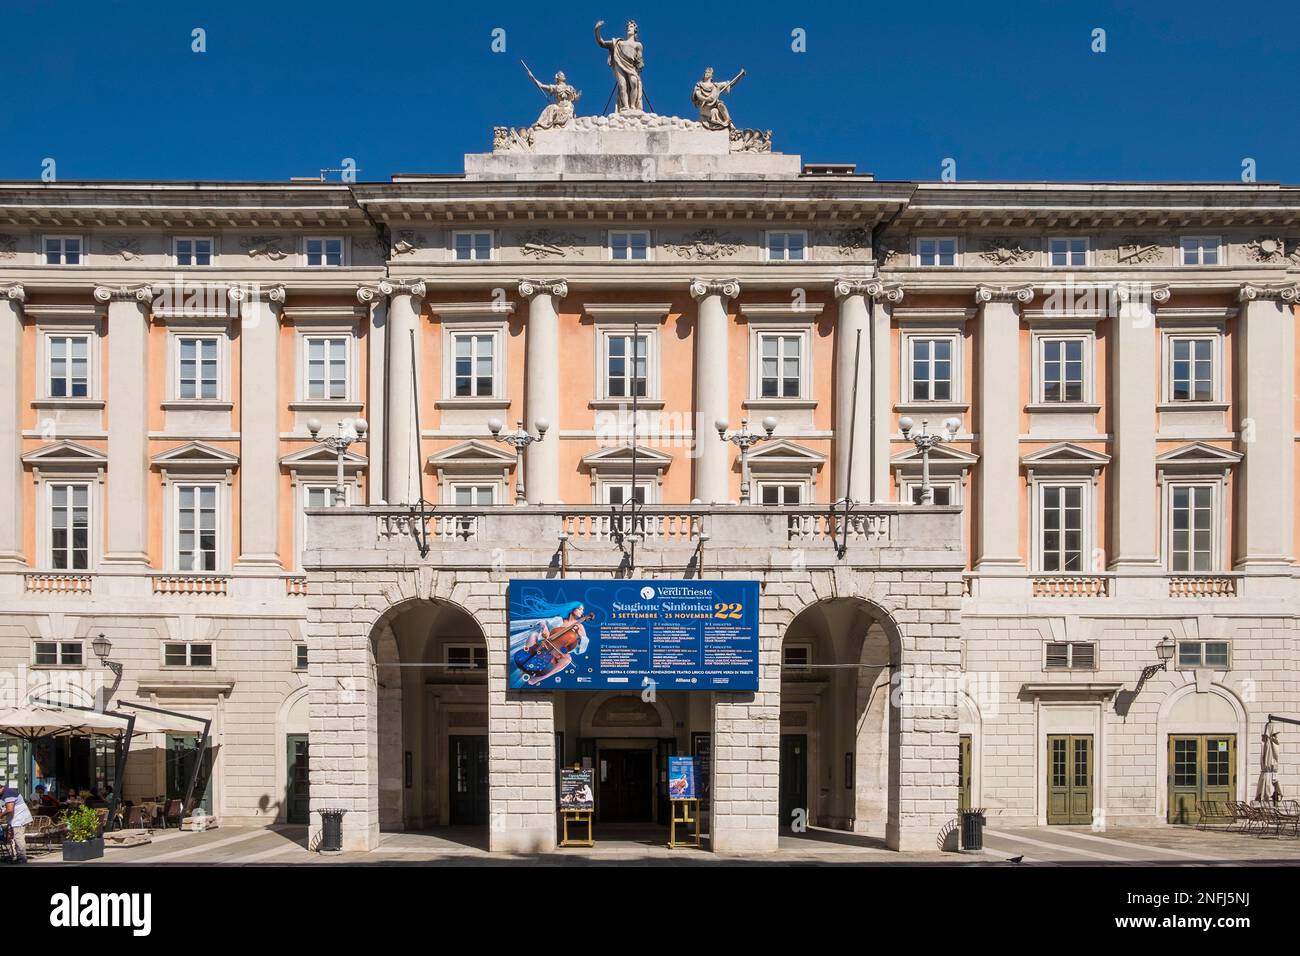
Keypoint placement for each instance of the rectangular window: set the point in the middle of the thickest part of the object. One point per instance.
(781, 366)
(619, 493)
(1071, 656)
(936, 251)
(627, 366)
(69, 366)
(62, 250)
(196, 373)
(474, 371)
(324, 251)
(1067, 251)
(327, 368)
(472, 246)
(777, 493)
(196, 527)
(473, 495)
(1191, 526)
(1199, 250)
(321, 496)
(300, 657)
(1192, 369)
(786, 246)
(932, 367)
(193, 252)
(466, 657)
(1061, 527)
(69, 527)
(795, 657)
(1062, 370)
(187, 655)
(1203, 654)
(629, 246)
(58, 654)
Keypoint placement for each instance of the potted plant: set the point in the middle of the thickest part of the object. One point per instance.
(83, 841)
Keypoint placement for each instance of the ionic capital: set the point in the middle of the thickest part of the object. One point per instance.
(415, 288)
(14, 292)
(142, 293)
(247, 294)
(1289, 292)
(1023, 294)
(702, 288)
(555, 288)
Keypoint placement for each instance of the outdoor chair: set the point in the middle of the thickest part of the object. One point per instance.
(172, 813)
(42, 832)
(1213, 813)
(1287, 817)
(135, 818)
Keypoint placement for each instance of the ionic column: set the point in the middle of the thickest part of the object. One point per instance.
(542, 386)
(259, 431)
(712, 458)
(1137, 525)
(884, 296)
(126, 525)
(376, 399)
(402, 466)
(998, 532)
(11, 402)
(1265, 350)
(853, 410)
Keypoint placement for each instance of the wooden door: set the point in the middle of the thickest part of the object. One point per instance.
(1069, 779)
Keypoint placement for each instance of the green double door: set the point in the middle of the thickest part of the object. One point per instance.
(794, 779)
(1069, 779)
(1201, 767)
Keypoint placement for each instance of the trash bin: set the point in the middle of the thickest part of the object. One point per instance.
(331, 830)
(972, 829)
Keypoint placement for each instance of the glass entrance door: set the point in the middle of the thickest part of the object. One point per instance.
(794, 778)
(469, 779)
(1201, 767)
(963, 772)
(1069, 779)
(298, 797)
(181, 758)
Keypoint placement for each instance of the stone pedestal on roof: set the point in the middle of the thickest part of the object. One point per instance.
(631, 145)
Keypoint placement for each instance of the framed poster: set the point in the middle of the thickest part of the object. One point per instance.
(576, 792)
(681, 778)
(571, 634)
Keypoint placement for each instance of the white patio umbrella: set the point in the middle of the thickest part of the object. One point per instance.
(36, 721)
(1269, 759)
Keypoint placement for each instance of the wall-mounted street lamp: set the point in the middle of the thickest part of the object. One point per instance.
(349, 430)
(102, 647)
(1165, 651)
(519, 439)
(924, 441)
(743, 440)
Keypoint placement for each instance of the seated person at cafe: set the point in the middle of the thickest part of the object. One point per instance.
(42, 797)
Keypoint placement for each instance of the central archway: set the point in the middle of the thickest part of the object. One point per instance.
(840, 737)
(431, 675)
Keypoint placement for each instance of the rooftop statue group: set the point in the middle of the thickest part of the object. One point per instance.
(627, 60)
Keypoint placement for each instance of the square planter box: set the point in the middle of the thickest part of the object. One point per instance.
(74, 852)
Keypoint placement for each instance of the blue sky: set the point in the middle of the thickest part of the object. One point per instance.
(111, 89)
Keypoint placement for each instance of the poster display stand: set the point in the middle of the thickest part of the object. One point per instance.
(577, 806)
(686, 813)
(579, 819)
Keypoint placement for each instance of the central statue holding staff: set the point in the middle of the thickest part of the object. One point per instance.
(627, 61)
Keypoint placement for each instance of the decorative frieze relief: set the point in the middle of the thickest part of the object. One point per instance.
(1266, 249)
(706, 244)
(751, 140)
(851, 242)
(127, 248)
(1005, 251)
(8, 246)
(547, 244)
(891, 248)
(264, 247)
(1137, 251)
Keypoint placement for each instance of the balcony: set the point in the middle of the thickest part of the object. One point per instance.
(679, 539)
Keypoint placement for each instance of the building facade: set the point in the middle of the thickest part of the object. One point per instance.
(1119, 362)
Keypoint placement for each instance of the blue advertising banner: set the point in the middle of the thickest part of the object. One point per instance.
(681, 778)
(570, 634)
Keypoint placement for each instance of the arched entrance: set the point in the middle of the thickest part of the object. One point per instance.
(430, 661)
(838, 734)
